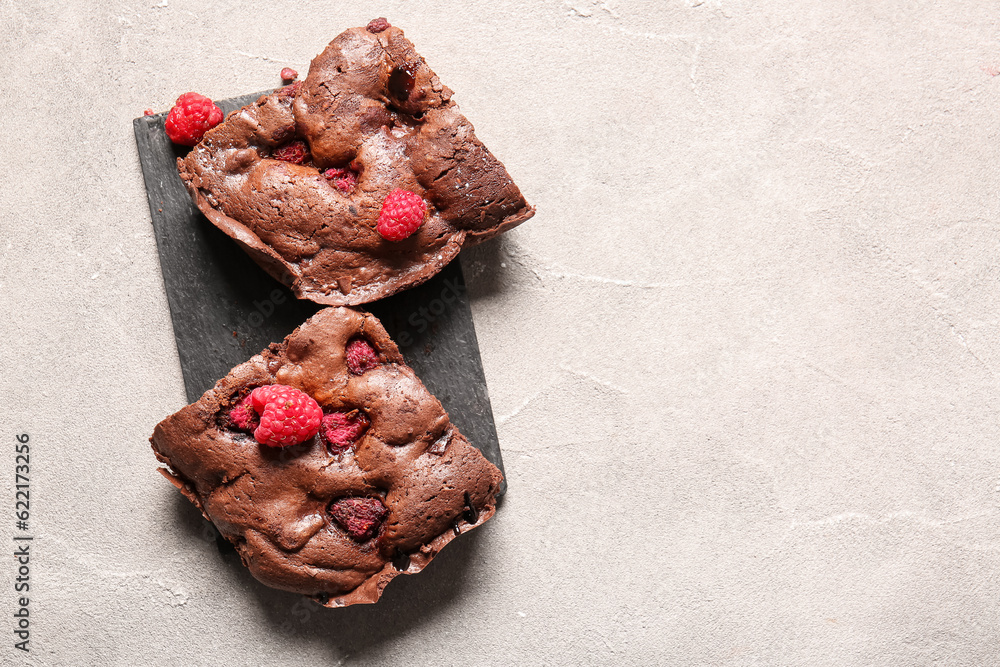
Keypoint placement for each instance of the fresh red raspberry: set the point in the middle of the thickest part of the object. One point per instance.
(360, 517)
(402, 213)
(360, 356)
(288, 74)
(148, 112)
(287, 415)
(375, 26)
(340, 430)
(192, 116)
(243, 417)
(296, 152)
(343, 179)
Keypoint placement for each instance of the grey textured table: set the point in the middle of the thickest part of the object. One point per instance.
(744, 360)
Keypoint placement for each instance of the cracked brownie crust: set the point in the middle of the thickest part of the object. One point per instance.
(331, 520)
(373, 111)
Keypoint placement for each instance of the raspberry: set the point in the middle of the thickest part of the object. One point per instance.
(375, 26)
(242, 417)
(148, 112)
(344, 179)
(296, 152)
(340, 430)
(290, 90)
(192, 116)
(360, 356)
(288, 74)
(402, 213)
(360, 517)
(287, 415)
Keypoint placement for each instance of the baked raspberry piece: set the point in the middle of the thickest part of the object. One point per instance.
(243, 417)
(375, 121)
(343, 179)
(340, 430)
(360, 517)
(295, 152)
(288, 74)
(361, 356)
(376, 26)
(378, 492)
(191, 116)
(288, 92)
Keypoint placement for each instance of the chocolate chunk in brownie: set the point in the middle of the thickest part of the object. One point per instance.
(299, 178)
(380, 488)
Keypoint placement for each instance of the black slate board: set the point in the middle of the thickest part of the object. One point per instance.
(225, 308)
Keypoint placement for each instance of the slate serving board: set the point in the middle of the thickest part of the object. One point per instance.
(225, 308)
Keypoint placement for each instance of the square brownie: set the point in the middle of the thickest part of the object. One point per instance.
(358, 182)
(327, 463)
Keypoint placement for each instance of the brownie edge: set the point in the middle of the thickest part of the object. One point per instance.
(336, 517)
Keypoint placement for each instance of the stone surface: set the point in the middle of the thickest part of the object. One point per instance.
(743, 360)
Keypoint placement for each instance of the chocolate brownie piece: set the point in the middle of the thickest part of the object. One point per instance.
(377, 492)
(299, 178)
